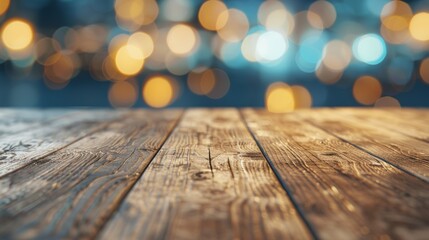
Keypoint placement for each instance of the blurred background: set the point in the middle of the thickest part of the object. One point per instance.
(283, 55)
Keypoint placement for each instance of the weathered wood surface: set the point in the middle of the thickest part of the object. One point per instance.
(209, 181)
(214, 174)
(405, 152)
(19, 150)
(411, 123)
(15, 121)
(69, 193)
(346, 193)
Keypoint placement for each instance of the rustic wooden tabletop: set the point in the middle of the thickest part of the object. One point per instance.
(214, 174)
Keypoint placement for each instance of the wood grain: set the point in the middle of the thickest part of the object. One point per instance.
(412, 123)
(19, 150)
(15, 121)
(405, 152)
(345, 192)
(209, 181)
(70, 193)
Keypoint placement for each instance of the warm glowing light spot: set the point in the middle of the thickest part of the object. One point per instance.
(90, 38)
(325, 13)
(280, 20)
(396, 23)
(366, 90)
(370, 49)
(222, 83)
(395, 15)
(17, 34)
(158, 91)
(327, 75)
(129, 60)
(131, 14)
(122, 94)
(201, 81)
(209, 13)
(302, 97)
(424, 70)
(143, 41)
(4, 5)
(337, 55)
(271, 46)
(235, 25)
(279, 98)
(419, 26)
(60, 68)
(394, 37)
(387, 102)
(249, 47)
(181, 39)
(266, 8)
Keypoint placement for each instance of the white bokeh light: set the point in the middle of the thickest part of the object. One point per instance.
(271, 46)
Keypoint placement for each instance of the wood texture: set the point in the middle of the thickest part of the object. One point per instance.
(412, 123)
(403, 151)
(19, 150)
(214, 174)
(15, 121)
(70, 193)
(209, 181)
(345, 192)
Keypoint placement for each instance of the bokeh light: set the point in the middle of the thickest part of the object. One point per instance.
(4, 5)
(17, 34)
(279, 98)
(201, 81)
(122, 94)
(321, 14)
(132, 14)
(302, 97)
(419, 26)
(337, 55)
(232, 25)
(249, 47)
(177, 10)
(396, 15)
(387, 102)
(367, 90)
(370, 49)
(143, 41)
(181, 39)
(275, 16)
(220, 53)
(271, 46)
(424, 70)
(60, 68)
(214, 83)
(158, 91)
(209, 13)
(129, 60)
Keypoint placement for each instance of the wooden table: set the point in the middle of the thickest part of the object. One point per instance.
(214, 174)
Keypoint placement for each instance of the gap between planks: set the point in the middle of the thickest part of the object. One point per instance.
(209, 181)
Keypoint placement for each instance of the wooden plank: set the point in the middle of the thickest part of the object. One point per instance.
(70, 193)
(404, 152)
(21, 149)
(346, 193)
(209, 181)
(413, 123)
(15, 121)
